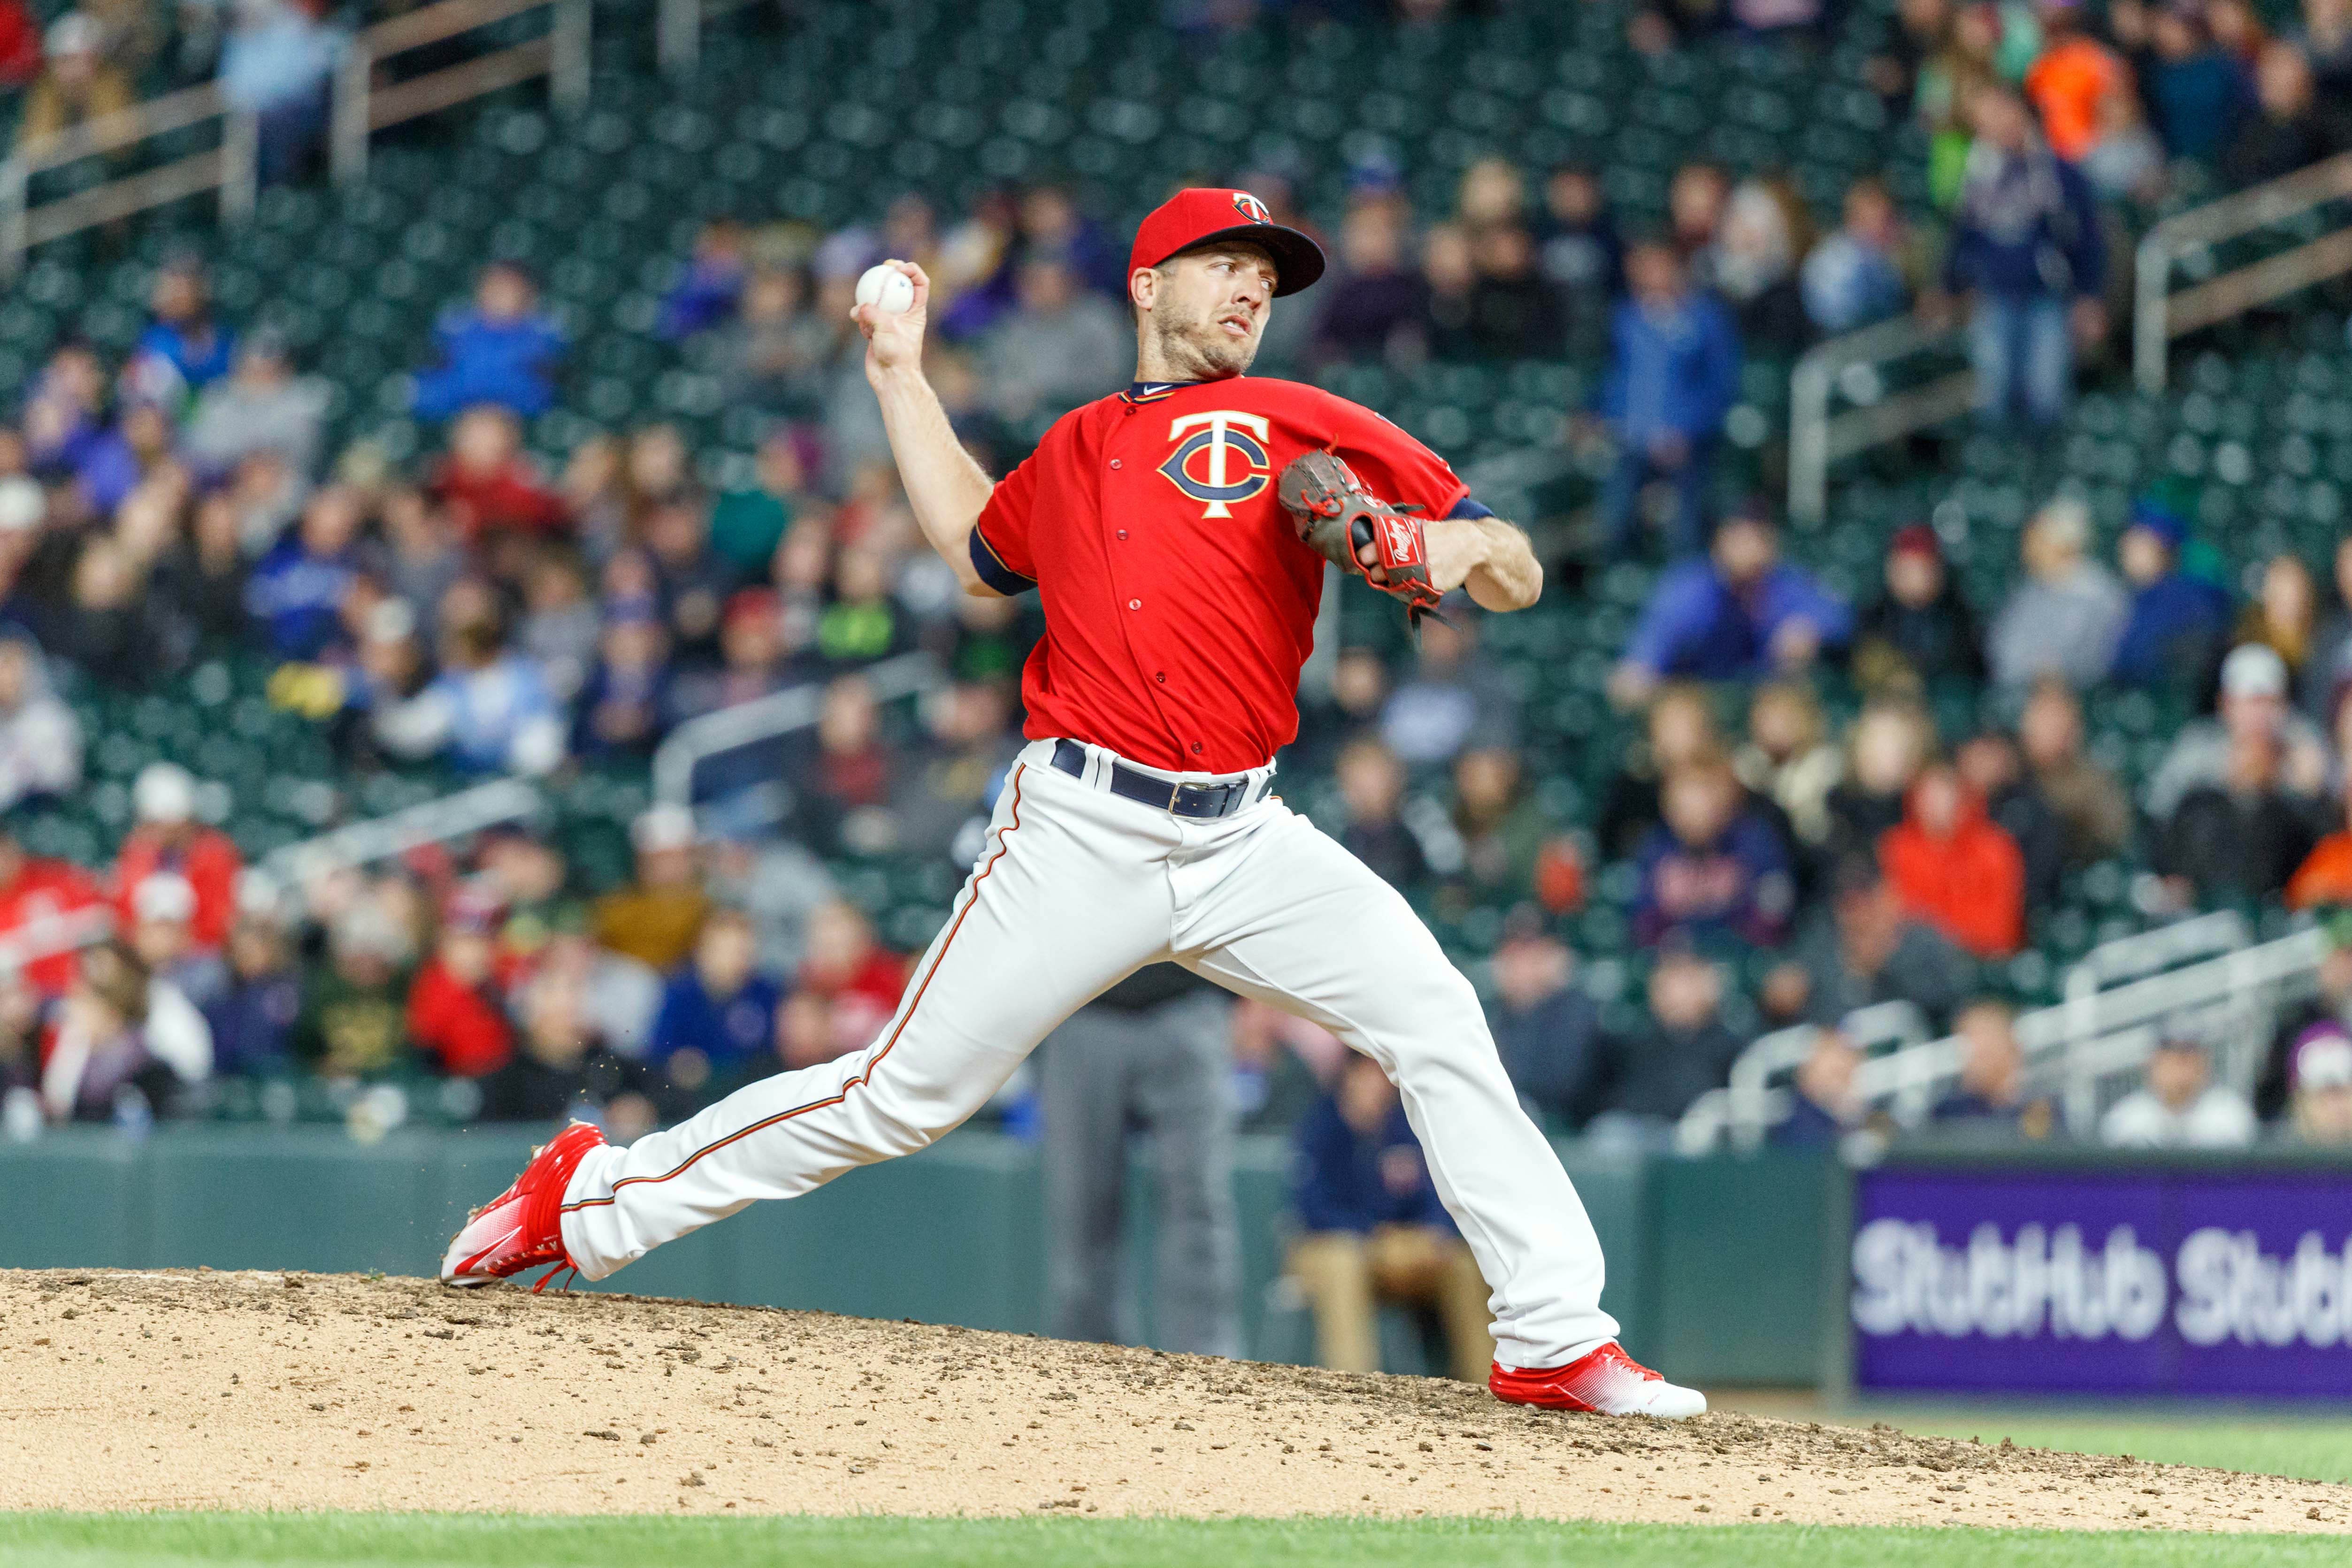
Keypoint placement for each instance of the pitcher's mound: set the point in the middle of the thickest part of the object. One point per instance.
(212, 1390)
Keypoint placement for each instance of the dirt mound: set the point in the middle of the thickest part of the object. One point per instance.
(250, 1390)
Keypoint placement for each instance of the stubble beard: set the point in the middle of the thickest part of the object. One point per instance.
(1195, 350)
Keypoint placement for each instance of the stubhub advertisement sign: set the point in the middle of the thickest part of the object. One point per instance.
(2188, 1283)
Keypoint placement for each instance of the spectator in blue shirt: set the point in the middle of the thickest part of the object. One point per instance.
(1737, 613)
(1375, 1230)
(489, 708)
(2198, 91)
(503, 350)
(2026, 244)
(2179, 624)
(184, 348)
(707, 291)
(1674, 370)
(297, 592)
(1854, 277)
(1823, 1107)
(718, 1017)
(1546, 1028)
(275, 66)
(254, 1018)
(1714, 868)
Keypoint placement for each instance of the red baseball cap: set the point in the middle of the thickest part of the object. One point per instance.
(1204, 215)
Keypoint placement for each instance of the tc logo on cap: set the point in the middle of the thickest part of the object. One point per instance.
(1221, 463)
(1250, 208)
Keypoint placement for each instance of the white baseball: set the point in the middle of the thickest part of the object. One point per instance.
(885, 288)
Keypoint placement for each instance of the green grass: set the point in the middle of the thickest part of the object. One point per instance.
(2311, 1448)
(361, 1540)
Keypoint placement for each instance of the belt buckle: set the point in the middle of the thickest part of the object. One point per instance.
(1175, 794)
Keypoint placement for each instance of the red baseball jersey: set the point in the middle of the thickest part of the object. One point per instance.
(1179, 601)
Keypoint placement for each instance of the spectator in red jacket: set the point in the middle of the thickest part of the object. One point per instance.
(456, 1015)
(36, 894)
(489, 485)
(858, 977)
(169, 838)
(20, 45)
(1956, 869)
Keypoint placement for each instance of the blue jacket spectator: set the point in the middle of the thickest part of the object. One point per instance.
(2026, 243)
(1547, 1030)
(492, 706)
(275, 65)
(254, 1018)
(1714, 869)
(183, 336)
(2179, 624)
(1674, 370)
(707, 292)
(501, 350)
(1739, 612)
(1348, 1180)
(2027, 224)
(1854, 277)
(717, 1003)
(2195, 89)
(297, 592)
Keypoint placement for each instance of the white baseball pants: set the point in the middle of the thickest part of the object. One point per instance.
(1075, 889)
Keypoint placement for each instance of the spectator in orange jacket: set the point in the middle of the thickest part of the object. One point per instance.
(2074, 75)
(1956, 869)
(169, 838)
(2325, 877)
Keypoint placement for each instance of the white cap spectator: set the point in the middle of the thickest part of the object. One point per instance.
(75, 33)
(164, 898)
(165, 793)
(24, 505)
(2323, 1058)
(668, 826)
(2253, 670)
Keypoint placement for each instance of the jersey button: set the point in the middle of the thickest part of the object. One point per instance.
(1114, 462)
(1122, 533)
(1135, 604)
(1196, 748)
(1160, 675)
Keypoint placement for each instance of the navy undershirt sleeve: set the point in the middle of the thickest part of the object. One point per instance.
(1465, 508)
(994, 573)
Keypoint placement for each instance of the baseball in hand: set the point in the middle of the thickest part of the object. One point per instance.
(885, 288)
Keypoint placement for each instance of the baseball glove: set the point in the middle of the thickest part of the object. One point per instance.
(1337, 517)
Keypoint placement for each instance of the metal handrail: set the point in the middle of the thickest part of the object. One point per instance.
(678, 30)
(1817, 438)
(2159, 315)
(1905, 1081)
(358, 107)
(762, 719)
(453, 816)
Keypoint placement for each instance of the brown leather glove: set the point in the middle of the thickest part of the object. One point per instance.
(1337, 517)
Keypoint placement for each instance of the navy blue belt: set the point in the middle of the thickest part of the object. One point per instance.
(1204, 800)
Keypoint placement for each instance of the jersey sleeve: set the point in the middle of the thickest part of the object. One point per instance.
(1000, 538)
(1398, 468)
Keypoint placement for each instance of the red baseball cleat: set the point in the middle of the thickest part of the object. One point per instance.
(522, 1226)
(1607, 1382)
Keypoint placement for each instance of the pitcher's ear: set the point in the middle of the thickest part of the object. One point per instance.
(1143, 287)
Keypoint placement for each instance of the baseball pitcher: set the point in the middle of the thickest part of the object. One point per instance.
(1176, 533)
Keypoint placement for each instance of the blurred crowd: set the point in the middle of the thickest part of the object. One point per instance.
(1799, 831)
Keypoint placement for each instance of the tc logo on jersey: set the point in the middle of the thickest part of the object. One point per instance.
(1223, 460)
(1250, 208)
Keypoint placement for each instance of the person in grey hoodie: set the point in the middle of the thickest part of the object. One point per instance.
(2065, 618)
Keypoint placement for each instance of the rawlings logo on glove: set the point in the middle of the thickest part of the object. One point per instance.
(1337, 517)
